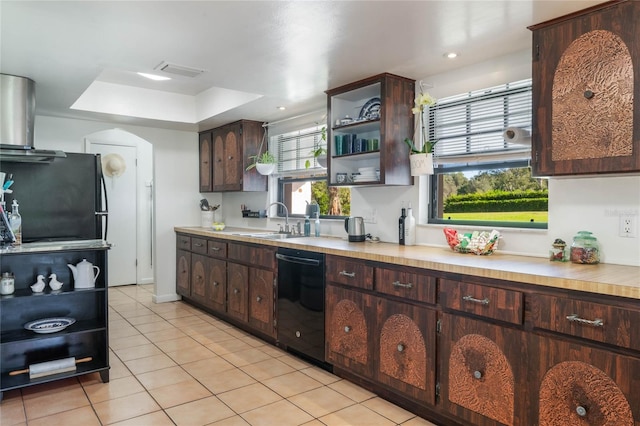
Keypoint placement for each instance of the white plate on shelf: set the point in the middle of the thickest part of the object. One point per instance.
(49, 325)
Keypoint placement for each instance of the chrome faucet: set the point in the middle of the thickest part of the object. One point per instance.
(286, 217)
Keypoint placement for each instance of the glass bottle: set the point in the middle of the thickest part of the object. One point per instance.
(307, 226)
(16, 222)
(317, 224)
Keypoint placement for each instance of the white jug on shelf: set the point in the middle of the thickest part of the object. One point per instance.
(83, 274)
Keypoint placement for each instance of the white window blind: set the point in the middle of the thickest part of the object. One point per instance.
(469, 127)
(295, 148)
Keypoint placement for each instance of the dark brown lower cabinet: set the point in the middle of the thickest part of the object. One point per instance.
(349, 323)
(261, 300)
(237, 291)
(216, 292)
(405, 342)
(198, 278)
(183, 272)
(483, 376)
(578, 384)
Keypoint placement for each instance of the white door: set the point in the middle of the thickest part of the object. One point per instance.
(120, 179)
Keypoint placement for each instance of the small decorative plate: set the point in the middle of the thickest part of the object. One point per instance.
(49, 325)
(370, 110)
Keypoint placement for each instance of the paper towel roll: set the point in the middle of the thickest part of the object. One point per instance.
(517, 135)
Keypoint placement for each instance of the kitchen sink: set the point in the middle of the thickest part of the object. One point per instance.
(268, 235)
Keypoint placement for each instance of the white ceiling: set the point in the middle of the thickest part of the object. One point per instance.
(256, 55)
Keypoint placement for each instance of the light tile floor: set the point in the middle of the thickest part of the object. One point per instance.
(172, 364)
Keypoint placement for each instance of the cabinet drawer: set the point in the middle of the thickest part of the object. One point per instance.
(588, 320)
(477, 299)
(409, 284)
(199, 245)
(184, 242)
(264, 257)
(354, 273)
(217, 248)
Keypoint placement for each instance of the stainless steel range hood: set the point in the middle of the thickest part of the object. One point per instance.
(17, 115)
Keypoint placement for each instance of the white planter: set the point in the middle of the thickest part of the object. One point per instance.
(421, 164)
(322, 160)
(265, 169)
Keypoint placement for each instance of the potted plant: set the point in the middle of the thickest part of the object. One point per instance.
(421, 154)
(264, 163)
(319, 152)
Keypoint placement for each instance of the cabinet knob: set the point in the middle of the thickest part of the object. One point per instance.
(347, 329)
(258, 298)
(216, 283)
(230, 157)
(582, 412)
(589, 94)
(298, 334)
(477, 374)
(236, 291)
(400, 347)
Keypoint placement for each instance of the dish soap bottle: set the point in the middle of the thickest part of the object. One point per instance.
(317, 223)
(307, 226)
(16, 222)
(401, 231)
(409, 228)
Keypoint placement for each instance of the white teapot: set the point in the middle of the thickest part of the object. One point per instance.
(83, 274)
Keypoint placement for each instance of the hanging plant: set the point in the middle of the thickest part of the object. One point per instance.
(264, 163)
(319, 152)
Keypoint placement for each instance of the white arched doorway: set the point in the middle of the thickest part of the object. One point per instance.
(129, 188)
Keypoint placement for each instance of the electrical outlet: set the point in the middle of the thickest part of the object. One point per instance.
(628, 226)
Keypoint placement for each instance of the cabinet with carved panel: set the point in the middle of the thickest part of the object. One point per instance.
(586, 92)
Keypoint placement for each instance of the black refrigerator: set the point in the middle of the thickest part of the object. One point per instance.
(60, 200)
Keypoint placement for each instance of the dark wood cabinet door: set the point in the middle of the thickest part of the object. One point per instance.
(232, 158)
(218, 164)
(484, 374)
(183, 272)
(261, 300)
(580, 385)
(406, 349)
(198, 277)
(216, 284)
(206, 157)
(349, 323)
(586, 98)
(237, 295)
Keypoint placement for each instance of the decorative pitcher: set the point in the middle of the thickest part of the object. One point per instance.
(83, 274)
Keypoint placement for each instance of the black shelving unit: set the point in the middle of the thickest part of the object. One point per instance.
(87, 337)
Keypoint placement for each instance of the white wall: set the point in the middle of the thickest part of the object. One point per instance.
(175, 182)
(575, 204)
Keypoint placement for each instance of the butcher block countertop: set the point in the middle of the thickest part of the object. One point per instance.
(614, 280)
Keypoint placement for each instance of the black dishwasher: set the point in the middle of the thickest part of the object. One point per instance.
(300, 306)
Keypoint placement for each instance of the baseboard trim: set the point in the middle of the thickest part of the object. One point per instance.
(165, 298)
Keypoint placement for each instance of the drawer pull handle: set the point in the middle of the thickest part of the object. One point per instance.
(197, 244)
(484, 301)
(477, 374)
(258, 299)
(403, 285)
(215, 248)
(400, 347)
(575, 318)
(582, 412)
(348, 274)
(347, 329)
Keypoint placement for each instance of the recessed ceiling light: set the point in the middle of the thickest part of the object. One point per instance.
(451, 55)
(154, 77)
(281, 108)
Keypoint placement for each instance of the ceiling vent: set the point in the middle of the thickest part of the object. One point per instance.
(178, 70)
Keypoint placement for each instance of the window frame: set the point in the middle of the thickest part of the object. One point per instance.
(284, 180)
(507, 157)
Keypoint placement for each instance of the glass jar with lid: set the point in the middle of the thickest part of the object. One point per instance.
(584, 248)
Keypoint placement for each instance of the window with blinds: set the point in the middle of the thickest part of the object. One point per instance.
(296, 148)
(481, 178)
(469, 127)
